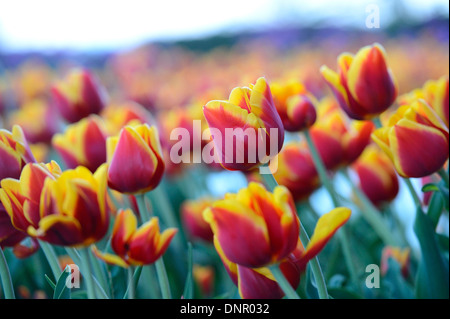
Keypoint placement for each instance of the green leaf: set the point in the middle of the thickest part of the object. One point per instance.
(431, 187)
(188, 291)
(435, 208)
(432, 276)
(50, 282)
(61, 289)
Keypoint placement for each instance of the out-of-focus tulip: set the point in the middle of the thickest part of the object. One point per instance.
(296, 171)
(436, 93)
(245, 125)
(377, 177)
(255, 227)
(37, 119)
(204, 277)
(401, 256)
(364, 85)
(67, 208)
(415, 139)
(338, 140)
(135, 163)
(294, 105)
(136, 246)
(78, 96)
(259, 283)
(83, 143)
(14, 152)
(116, 116)
(192, 217)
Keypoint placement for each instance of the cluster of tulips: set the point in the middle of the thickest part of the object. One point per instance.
(90, 182)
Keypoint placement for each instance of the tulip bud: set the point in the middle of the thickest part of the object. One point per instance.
(364, 84)
(135, 161)
(78, 96)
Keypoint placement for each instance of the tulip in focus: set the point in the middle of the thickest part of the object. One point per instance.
(78, 96)
(135, 163)
(259, 283)
(136, 246)
(364, 84)
(246, 129)
(63, 208)
(83, 143)
(255, 227)
(377, 177)
(415, 139)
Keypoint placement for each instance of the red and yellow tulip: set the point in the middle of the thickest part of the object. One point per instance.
(364, 85)
(251, 110)
(255, 227)
(415, 139)
(135, 163)
(338, 140)
(296, 171)
(63, 208)
(259, 283)
(401, 256)
(78, 95)
(14, 152)
(377, 177)
(294, 104)
(83, 143)
(136, 246)
(192, 218)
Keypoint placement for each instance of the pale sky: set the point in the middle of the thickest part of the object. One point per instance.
(97, 24)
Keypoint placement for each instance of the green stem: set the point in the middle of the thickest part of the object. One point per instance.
(412, 191)
(86, 269)
(321, 170)
(326, 182)
(372, 215)
(133, 280)
(444, 175)
(315, 266)
(75, 256)
(99, 273)
(6, 277)
(131, 287)
(376, 120)
(52, 258)
(283, 283)
(163, 279)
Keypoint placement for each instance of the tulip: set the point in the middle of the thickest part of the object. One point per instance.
(63, 208)
(296, 171)
(204, 277)
(294, 104)
(37, 120)
(255, 227)
(259, 283)
(401, 256)
(364, 84)
(377, 177)
(242, 127)
(135, 163)
(415, 139)
(339, 141)
(136, 246)
(192, 217)
(78, 96)
(14, 152)
(83, 143)
(116, 116)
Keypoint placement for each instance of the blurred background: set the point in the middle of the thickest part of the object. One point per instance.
(171, 55)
